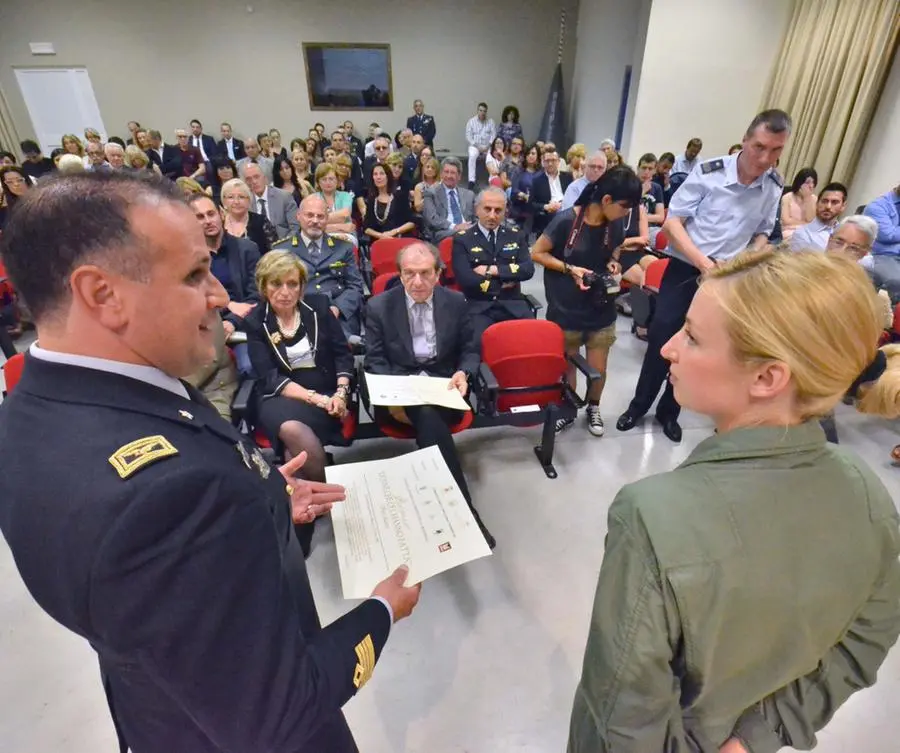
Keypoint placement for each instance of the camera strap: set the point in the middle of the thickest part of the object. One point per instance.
(575, 232)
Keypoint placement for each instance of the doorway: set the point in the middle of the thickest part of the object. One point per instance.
(59, 101)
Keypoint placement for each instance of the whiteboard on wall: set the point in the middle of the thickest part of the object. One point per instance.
(59, 101)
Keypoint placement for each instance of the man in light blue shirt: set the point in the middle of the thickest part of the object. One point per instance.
(690, 159)
(723, 206)
(814, 235)
(885, 210)
(594, 167)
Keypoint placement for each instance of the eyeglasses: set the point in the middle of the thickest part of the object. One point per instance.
(14, 181)
(840, 244)
(381, 148)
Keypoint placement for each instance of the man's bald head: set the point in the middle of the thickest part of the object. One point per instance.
(313, 216)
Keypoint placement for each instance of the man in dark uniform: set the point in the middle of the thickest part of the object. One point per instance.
(490, 261)
(330, 264)
(720, 209)
(421, 123)
(140, 519)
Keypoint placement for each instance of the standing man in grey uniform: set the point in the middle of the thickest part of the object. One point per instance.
(724, 205)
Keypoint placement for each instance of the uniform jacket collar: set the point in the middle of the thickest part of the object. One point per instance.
(57, 382)
(758, 442)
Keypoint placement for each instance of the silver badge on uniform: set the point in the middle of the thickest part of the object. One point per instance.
(245, 456)
(260, 462)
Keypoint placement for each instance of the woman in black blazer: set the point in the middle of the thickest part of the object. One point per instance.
(302, 360)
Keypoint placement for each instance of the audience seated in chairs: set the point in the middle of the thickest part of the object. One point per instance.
(331, 266)
(234, 263)
(575, 158)
(387, 208)
(220, 170)
(137, 159)
(402, 181)
(302, 179)
(830, 206)
(490, 261)
(240, 221)
(343, 170)
(218, 380)
(798, 205)
(339, 204)
(303, 363)
(274, 203)
(513, 162)
(190, 187)
(13, 185)
(421, 328)
(430, 177)
(448, 208)
(509, 127)
(547, 191)
(480, 133)
(594, 166)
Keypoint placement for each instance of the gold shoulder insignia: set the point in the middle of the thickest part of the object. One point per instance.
(365, 662)
(514, 268)
(460, 232)
(330, 242)
(294, 241)
(130, 458)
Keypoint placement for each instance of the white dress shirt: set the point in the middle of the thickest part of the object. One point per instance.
(149, 374)
(556, 192)
(198, 142)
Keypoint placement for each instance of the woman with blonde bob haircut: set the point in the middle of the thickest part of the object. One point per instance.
(301, 357)
(745, 596)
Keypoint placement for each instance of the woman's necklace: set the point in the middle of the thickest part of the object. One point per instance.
(289, 332)
(235, 228)
(387, 209)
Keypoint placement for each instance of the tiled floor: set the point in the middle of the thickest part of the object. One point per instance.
(489, 660)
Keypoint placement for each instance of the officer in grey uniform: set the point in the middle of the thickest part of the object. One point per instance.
(724, 205)
(331, 264)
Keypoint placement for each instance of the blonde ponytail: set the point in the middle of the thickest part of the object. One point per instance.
(882, 397)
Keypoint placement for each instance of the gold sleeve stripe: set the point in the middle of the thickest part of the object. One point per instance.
(365, 655)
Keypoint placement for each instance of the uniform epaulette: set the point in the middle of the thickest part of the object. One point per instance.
(285, 239)
(712, 166)
(779, 181)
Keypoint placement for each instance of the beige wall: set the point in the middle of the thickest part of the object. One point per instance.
(704, 69)
(879, 163)
(165, 62)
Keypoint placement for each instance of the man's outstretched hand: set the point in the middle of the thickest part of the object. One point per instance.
(309, 499)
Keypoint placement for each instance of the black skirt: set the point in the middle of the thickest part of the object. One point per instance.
(274, 411)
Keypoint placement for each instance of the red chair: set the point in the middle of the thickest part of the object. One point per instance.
(522, 380)
(662, 241)
(383, 254)
(380, 283)
(653, 275)
(895, 327)
(12, 371)
(445, 248)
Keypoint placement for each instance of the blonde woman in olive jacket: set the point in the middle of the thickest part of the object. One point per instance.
(744, 596)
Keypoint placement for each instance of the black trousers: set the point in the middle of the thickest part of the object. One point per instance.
(484, 316)
(432, 425)
(679, 284)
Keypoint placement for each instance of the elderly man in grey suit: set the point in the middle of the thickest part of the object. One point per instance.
(448, 209)
(331, 266)
(255, 156)
(277, 205)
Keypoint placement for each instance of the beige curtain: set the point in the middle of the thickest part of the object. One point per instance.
(9, 137)
(829, 76)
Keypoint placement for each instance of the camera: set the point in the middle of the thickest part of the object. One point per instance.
(603, 285)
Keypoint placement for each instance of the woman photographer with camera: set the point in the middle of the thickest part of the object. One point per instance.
(578, 251)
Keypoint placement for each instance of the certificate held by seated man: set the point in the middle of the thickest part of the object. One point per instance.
(406, 510)
(421, 329)
(414, 390)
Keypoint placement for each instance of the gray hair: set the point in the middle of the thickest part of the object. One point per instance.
(69, 164)
(607, 142)
(238, 184)
(112, 146)
(864, 223)
(422, 247)
(774, 121)
(490, 191)
(453, 162)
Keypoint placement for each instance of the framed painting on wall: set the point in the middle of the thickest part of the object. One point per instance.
(348, 76)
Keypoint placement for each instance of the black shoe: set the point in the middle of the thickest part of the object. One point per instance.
(627, 421)
(491, 541)
(671, 428)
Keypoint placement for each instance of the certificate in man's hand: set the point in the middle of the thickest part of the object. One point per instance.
(401, 511)
(413, 390)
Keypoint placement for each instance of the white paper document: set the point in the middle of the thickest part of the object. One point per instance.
(413, 390)
(405, 510)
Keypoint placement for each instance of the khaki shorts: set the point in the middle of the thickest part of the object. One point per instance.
(596, 339)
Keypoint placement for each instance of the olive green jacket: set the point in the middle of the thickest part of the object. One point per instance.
(747, 593)
(218, 380)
